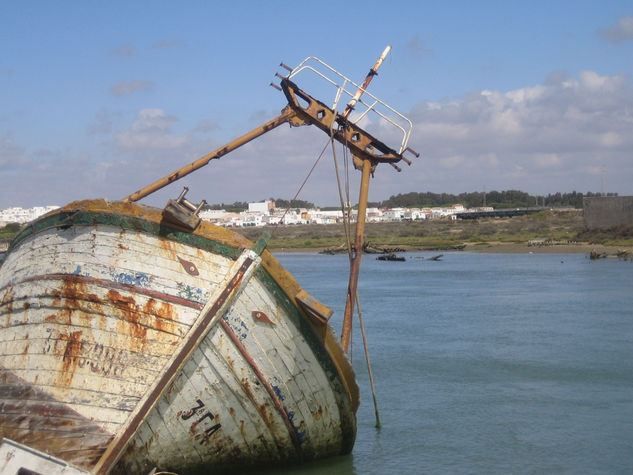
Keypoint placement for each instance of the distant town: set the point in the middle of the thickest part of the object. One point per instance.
(266, 213)
(412, 206)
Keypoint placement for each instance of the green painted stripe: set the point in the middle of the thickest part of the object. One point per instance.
(65, 220)
(261, 244)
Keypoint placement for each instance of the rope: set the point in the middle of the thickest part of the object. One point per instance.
(346, 222)
(349, 248)
(369, 370)
(299, 190)
(346, 226)
(346, 213)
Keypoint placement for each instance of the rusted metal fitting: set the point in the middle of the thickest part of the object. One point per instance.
(195, 209)
(410, 150)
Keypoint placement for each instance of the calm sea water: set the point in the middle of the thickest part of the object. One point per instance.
(487, 363)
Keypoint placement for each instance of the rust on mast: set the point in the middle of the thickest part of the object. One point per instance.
(367, 151)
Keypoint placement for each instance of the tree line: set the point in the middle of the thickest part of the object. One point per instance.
(427, 199)
(495, 199)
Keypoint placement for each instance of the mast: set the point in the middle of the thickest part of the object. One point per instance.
(367, 150)
(366, 167)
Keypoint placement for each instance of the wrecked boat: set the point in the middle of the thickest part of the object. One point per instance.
(135, 338)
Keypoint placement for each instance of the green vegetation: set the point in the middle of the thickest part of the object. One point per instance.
(496, 199)
(558, 226)
(8, 232)
(553, 225)
(617, 236)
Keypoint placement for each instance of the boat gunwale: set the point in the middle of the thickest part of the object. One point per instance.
(132, 216)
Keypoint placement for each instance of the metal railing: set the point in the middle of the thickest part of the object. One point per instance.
(364, 108)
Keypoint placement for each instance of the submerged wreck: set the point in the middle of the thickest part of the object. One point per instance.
(134, 338)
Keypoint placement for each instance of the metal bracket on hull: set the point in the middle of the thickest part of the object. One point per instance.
(183, 212)
(314, 309)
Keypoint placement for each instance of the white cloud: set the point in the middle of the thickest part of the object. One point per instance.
(125, 88)
(620, 32)
(539, 138)
(126, 49)
(166, 44)
(563, 126)
(206, 126)
(12, 156)
(103, 122)
(150, 131)
(416, 48)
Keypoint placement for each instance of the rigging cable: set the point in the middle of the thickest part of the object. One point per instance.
(369, 370)
(299, 190)
(349, 247)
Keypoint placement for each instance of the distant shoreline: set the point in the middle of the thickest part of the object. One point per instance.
(501, 248)
(513, 248)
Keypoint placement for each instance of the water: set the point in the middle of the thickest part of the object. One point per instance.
(487, 363)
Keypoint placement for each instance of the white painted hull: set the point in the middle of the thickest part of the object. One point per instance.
(96, 302)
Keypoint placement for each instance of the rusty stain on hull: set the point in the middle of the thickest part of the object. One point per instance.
(273, 396)
(114, 450)
(70, 360)
(102, 342)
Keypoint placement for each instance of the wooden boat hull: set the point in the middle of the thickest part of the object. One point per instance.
(98, 299)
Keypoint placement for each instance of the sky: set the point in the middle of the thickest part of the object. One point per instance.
(98, 99)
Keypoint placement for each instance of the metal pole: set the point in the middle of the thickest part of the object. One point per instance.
(370, 75)
(285, 116)
(346, 333)
(352, 287)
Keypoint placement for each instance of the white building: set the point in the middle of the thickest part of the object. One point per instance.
(212, 215)
(264, 207)
(24, 215)
(374, 215)
(414, 214)
(326, 217)
(248, 218)
(394, 214)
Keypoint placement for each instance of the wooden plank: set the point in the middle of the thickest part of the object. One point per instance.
(294, 370)
(260, 388)
(213, 310)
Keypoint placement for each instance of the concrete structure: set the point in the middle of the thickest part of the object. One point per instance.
(264, 207)
(603, 212)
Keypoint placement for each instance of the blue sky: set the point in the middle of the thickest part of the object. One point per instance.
(98, 99)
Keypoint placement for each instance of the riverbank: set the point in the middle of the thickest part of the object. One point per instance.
(501, 248)
(553, 231)
(576, 248)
